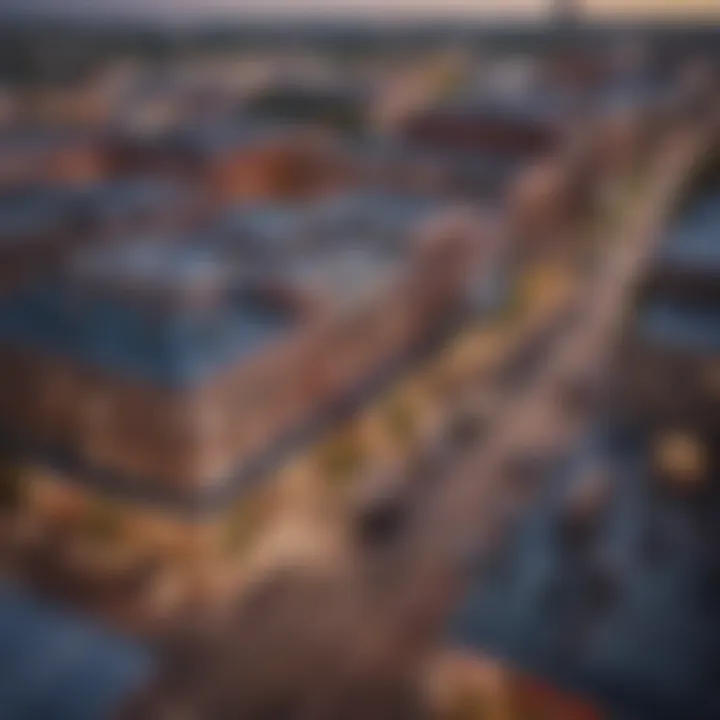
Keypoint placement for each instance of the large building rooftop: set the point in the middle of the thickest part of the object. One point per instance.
(210, 139)
(674, 325)
(40, 139)
(537, 107)
(693, 241)
(33, 213)
(288, 232)
(630, 620)
(166, 315)
(56, 665)
(118, 199)
(337, 251)
(681, 311)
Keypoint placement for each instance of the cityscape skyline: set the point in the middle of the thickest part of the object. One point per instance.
(370, 9)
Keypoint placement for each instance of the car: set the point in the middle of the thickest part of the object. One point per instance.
(380, 508)
(584, 504)
(470, 421)
(381, 521)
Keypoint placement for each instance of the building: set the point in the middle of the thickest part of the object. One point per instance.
(674, 333)
(517, 152)
(119, 208)
(631, 116)
(36, 227)
(40, 225)
(32, 155)
(474, 686)
(168, 379)
(622, 613)
(232, 161)
(62, 665)
(336, 106)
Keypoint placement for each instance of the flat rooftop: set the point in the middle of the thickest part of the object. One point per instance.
(34, 213)
(259, 232)
(693, 241)
(682, 310)
(632, 623)
(135, 313)
(37, 211)
(634, 93)
(539, 107)
(212, 139)
(115, 199)
(384, 213)
(54, 664)
(343, 276)
(673, 325)
(31, 139)
(287, 232)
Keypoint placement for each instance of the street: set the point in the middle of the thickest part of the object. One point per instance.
(351, 642)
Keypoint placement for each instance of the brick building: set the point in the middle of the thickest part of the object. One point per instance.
(673, 335)
(517, 153)
(31, 155)
(167, 379)
(42, 224)
(233, 161)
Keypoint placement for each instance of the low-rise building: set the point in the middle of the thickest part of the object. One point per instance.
(518, 152)
(673, 335)
(232, 161)
(336, 106)
(30, 155)
(168, 379)
(40, 225)
(37, 226)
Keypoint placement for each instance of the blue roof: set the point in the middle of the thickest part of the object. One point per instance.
(634, 93)
(207, 139)
(693, 241)
(388, 212)
(121, 197)
(260, 229)
(648, 652)
(34, 211)
(57, 666)
(674, 325)
(121, 335)
(544, 108)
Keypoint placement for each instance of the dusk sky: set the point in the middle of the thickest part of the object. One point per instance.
(403, 8)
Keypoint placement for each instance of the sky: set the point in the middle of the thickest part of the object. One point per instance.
(367, 8)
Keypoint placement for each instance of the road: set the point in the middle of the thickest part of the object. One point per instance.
(350, 644)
